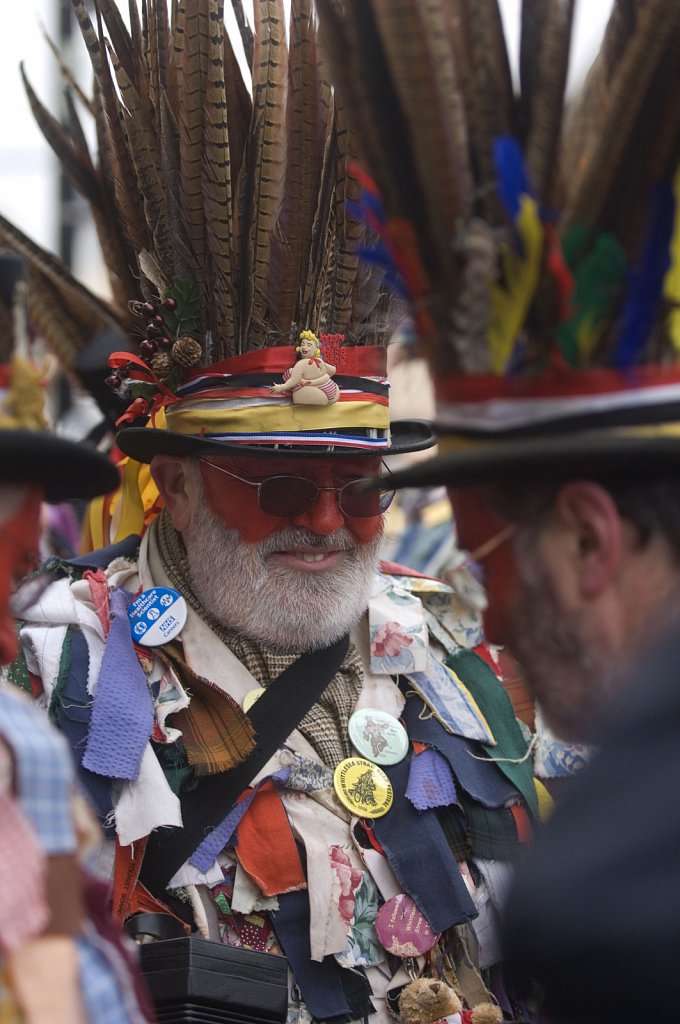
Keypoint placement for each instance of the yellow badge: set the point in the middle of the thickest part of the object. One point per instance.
(251, 697)
(363, 787)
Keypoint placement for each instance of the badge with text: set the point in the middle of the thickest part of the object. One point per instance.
(157, 616)
(378, 736)
(402, 929)
(363, 787)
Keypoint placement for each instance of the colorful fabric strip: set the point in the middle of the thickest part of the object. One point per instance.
(122, 716)
(185, 418)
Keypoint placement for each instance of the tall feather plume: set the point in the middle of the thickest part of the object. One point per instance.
(547, 98)
(67, 314)
(308, 112)
(629, 89)
(217, 183)
(193, 71)
(265, 165)
(201, 180)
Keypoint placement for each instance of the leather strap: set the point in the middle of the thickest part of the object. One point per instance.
(209, 799)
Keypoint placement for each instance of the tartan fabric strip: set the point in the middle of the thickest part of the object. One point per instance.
(216, 734)
(43, 770)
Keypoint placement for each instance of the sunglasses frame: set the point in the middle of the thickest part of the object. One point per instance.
(384, 505)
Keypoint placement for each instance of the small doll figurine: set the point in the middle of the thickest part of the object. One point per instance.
(309, 380)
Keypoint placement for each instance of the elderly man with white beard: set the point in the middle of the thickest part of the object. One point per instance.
(298, 748)
(295, 750)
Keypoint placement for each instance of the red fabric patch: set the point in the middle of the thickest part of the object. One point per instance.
(273, 864)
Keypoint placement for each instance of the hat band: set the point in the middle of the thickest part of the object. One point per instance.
(272, 420)
(553, 404)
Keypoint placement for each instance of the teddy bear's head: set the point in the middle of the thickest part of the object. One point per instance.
(425, 1000)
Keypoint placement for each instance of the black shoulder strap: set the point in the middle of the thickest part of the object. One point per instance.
(274, 717)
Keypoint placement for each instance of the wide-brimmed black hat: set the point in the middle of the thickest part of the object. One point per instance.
(63, 468)
(242, 406)
(602, 423)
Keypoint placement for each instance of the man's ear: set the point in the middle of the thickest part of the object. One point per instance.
(590, 515)
(175, 488)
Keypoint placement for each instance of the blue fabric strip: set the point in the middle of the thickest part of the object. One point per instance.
(122, 715)
(417, 852)
(319, 982)
(72, 712)
(481, 779)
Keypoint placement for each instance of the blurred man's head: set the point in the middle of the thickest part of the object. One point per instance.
(588, 579)
(281, 549)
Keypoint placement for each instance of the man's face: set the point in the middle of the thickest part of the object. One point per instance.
(19, 541)
(555, 643)
(236, 503)
(476, 524)
(291, 582)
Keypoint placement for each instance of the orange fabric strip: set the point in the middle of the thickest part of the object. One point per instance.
(273, 863)
(525, 832)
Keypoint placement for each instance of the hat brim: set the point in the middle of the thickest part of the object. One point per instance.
(595, 453)
(63, 468)
(142, 443)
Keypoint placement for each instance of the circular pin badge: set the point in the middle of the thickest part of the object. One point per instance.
(157, 616)
(402, 929)
(251, 697)
(363, 787)
(378, 735)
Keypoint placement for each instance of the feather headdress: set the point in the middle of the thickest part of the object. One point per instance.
(227, 214)
(540, 238)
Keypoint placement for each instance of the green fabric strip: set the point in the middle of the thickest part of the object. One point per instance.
(495, 705)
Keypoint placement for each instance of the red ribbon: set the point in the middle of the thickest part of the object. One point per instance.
(356, 361)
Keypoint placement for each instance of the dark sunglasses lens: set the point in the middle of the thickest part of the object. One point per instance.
(357, 502)
(287, 496)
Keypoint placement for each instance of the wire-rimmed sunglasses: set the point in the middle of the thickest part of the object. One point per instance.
(289, 496)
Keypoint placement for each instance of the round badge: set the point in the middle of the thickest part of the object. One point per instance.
(378, 735)
(402, 929)
(362, 787)
(157, 616)
(251, 697)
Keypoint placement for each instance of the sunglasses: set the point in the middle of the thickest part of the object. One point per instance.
(289, 496)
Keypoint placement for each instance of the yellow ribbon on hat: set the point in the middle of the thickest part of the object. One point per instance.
(128, 510)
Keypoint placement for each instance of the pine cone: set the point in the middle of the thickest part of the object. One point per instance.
(187, 352)
(161, 364)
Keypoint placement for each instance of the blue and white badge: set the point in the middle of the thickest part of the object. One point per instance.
(157, 616)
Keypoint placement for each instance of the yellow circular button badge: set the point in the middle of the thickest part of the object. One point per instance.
(251, 697)
(363, 787)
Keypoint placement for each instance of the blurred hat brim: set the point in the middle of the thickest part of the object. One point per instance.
(142, 443)
(63, 468)
(591, 453)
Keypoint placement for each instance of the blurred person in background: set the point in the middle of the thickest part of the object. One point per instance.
(60, 959)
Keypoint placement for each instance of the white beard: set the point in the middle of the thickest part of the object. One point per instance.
(264, 600)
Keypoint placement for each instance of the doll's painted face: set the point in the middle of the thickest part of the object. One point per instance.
(307, 347)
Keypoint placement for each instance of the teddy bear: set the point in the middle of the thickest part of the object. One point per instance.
(430, 1001)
